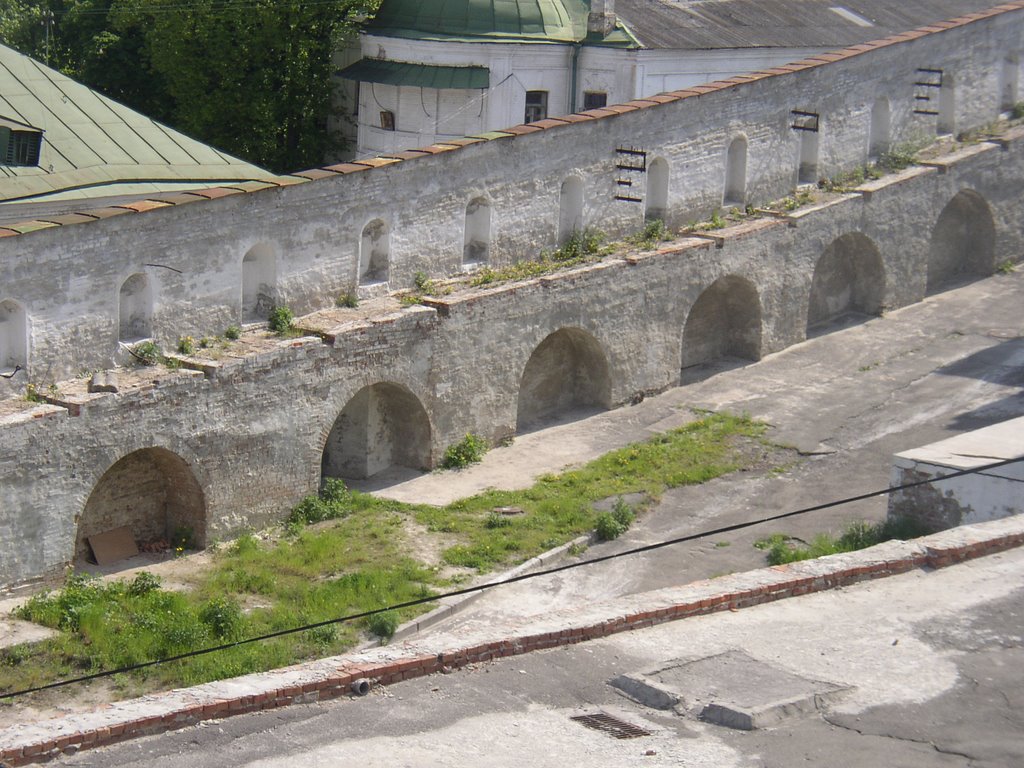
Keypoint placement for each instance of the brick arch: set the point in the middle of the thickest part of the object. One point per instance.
(380, 426)
(152, 491)
(724, 322)
(568, 370)
(848, 277)
(962, 243)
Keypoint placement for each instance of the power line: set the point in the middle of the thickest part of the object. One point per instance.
(509, 580)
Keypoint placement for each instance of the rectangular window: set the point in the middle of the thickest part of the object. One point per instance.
(595, 99)
(20, 147)
(536, 106)
(387, 120)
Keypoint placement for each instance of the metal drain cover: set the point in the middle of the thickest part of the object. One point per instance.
(613, 726)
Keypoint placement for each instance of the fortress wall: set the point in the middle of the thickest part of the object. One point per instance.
(68, 278)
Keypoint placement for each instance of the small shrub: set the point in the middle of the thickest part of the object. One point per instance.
(32, 393)
(186, 345)
(1017, 111)
(898, 158)
(183, 538)
(147, 353)
(497, 520)
(334, 490)
(422, 282)
(1005, 267)
(653, 233)
(223, 617)
(233, 332)
(469, 450)
(143, 584)
(348, 300)
(716, 221)
(608, 527)
(623, 513)
(281, 319)
(383, 625)
(581, 243)
(323, 636)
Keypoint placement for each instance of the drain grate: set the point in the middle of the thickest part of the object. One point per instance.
(605, 723)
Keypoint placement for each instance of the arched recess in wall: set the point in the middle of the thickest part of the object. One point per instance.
(656, 203)
(849, 277)
(1009, 77)
(13, 336)
(947, 105)
(381, 426)
(724, 322)
(135, 308)
(477, 242)
(154, 493)
(570, 208)
(375, 253)
(259, 283)
(807, 167)
(567, 372)
(881, 128)
(962, 243)
(736, 173)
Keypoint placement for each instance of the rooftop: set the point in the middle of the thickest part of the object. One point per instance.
(92, 144)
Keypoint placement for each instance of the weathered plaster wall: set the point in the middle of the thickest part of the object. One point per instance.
(68, 277)
(253, 432)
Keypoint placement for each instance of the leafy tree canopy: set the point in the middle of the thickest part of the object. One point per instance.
(250, 77)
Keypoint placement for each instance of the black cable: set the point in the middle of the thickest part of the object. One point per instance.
(509, 580)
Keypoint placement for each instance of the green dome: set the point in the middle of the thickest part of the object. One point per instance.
(530, 20)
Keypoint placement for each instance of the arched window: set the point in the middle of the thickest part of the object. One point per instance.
(374, 253)
(570, 208)
(657, 190)
(259, 283)
(477, 242)
(13, 336)
(135, 309)
(736, 173)
(878, 138)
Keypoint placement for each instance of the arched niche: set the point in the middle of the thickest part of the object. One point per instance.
(736, 173)
(849, 277)
(135, 308)
(259, 283)
(947, 105)
(375, 253)
(477, 240)
(807, 168)
(13, 336)
(724, 322)
(879, 138)
(570, 208)
(381, 426)
(962, 242)
(568, 371)
(153, 492)
(656, 203)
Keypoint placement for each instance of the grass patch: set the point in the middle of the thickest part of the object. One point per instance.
(781, 548)
(344, 552)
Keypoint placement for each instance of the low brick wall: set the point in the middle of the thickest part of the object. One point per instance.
(333, 677)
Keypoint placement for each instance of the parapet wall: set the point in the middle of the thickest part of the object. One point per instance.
(253, 434)
(206, 259)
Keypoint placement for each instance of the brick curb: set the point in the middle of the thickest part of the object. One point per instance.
(329, 678)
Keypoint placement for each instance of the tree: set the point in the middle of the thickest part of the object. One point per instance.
(250, 77)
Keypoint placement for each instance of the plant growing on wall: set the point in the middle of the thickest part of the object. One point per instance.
(281, 319)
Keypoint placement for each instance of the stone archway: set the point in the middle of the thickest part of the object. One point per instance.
(963, 242)
(381, 426)
(724, 322)
(849, 277)
(151, 491)
(567, 371)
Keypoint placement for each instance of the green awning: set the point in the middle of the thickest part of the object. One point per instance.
(421, 75)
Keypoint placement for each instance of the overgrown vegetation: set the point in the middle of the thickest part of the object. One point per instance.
(346, 552)
(469, 450)
(233, 333)
(611, 525)
(781, 548)
(281, 320)
(654, 232)
(348, 300)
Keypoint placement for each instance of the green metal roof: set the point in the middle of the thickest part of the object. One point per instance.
(421, 75)
(524, 20)
(90, 141)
